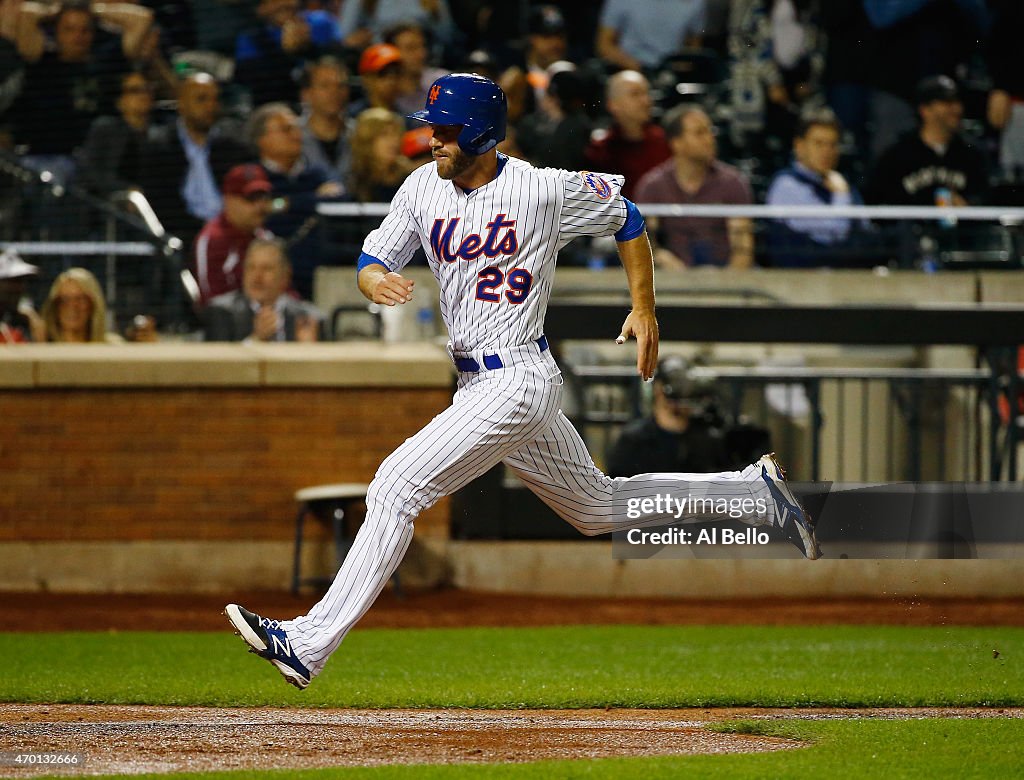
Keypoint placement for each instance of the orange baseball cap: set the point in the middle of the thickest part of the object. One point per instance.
(377, 57)
(417, 142)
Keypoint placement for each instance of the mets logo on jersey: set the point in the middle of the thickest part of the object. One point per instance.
(600, 187)
(500, 240)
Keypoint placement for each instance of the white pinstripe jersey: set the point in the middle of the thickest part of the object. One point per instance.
(493, 249)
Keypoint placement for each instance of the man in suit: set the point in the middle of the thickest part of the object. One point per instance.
(184, 161)
(297, 186)
(263, 310)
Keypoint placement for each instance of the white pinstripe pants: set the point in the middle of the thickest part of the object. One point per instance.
(511, 415)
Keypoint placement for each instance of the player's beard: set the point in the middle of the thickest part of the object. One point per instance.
(454, 165)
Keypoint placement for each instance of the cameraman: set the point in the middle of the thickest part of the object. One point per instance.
(684, 433)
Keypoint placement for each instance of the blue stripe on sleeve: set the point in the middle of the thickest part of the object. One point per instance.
(635, 222)
(365, 260)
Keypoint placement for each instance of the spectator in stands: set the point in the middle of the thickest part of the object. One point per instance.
(934, 165)
(286, 38)
(634, 144)
(694, 175)
(915, 39)
(74, 311)
(183, 161)
(326, 127)
(263, 310)
(69, 86)
(526, 82)
(678, 435)
(222, 243)
(378, 165)
(111, 157)
(364, 21)
(19, 322)
(757, 92)
(275, 132)
(813, 180)
(557, 134)
(417, 71)
(1006, 100)
(798, 46)
(82, 31)
(380, 71)
(638, 36)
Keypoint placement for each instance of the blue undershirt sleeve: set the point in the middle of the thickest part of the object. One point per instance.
(634, 225)
(365, 260)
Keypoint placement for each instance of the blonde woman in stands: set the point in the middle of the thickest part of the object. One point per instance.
(75, 312)
(378, 165)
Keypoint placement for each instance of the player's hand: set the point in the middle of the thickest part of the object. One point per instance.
(393, 288)
(643, 326)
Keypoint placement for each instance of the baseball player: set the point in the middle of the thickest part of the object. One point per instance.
(491, 227)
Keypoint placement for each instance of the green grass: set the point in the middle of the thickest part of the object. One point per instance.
(860, 748)
(584, 666)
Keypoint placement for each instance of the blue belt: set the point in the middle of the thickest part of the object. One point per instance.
(492, 361)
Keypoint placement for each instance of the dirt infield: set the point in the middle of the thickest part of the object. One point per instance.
(455, 608)
(130, 740)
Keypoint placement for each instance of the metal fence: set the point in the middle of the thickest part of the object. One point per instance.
(837, 424)
(923, 237)
(119, 239)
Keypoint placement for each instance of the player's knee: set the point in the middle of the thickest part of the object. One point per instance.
(391, 488)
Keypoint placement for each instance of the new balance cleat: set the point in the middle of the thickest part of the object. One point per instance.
(268, 640)
(794, 521)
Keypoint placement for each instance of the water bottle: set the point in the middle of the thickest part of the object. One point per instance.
(929, 262)
(944, 199)
(425, 323)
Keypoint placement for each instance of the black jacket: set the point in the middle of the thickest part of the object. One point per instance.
(111, 157)
(645, 448)
(909, 172)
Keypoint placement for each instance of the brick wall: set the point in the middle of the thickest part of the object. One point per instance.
(184, 463)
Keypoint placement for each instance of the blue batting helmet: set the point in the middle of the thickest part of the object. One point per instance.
(466, 99)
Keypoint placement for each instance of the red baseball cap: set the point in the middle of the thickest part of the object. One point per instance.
(377, 57)
(246, 179)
